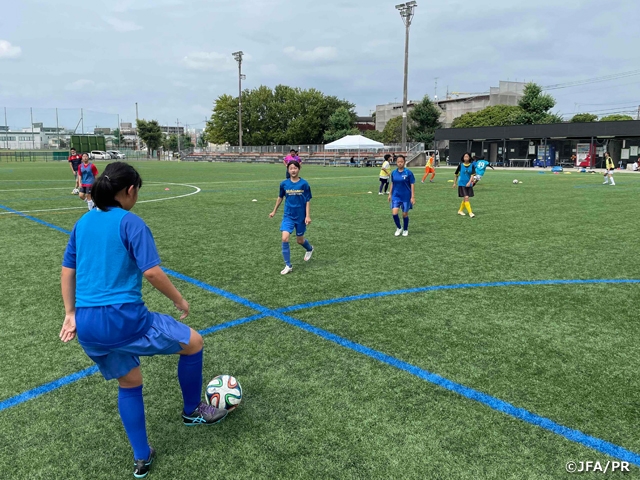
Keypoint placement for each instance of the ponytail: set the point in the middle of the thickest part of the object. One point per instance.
(116, 177)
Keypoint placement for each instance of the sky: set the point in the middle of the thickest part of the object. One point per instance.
(173, 57)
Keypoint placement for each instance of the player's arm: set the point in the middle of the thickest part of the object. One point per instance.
(94, 170)
(307, 219)
(473, 172)
(68, 286)
(71, 167)
(457, 174)
(275, 209)
(161, 282)
(491, 167)
(413, 194)
(390, 190)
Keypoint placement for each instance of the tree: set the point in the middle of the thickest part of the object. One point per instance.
(202, 141)
(118, 137)
(374, 135)
(341, 123)
(496, 116)
(392, 132)
(616, 118)
(424, 119)
(584, 118)
(536, 106)
(170, 143)
(151, 134)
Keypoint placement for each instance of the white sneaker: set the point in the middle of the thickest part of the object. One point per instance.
(286, 270)
(612, 183)
(398, 232)
(605, 183)
(307, 256)
(471, 215)
(380, 193)
(405, 233)
(460, 212)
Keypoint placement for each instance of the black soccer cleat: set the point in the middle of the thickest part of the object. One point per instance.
(141, 467)
(204, 415)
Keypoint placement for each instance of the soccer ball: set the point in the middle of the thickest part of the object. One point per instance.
(515, 182)
(224, 391)
(75, 191)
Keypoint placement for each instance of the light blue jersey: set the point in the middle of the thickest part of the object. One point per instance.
(481, 167)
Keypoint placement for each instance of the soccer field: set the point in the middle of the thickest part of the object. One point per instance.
(502, 346)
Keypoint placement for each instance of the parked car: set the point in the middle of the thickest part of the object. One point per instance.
(116, 154)
(99, 155)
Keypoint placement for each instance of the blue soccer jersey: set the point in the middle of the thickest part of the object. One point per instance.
(296, 195)
(402, 182)
(465, 172)
(481, 167)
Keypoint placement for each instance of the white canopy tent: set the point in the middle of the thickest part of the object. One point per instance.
(354, 142)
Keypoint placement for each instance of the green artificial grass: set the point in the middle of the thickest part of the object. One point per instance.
(313, 409)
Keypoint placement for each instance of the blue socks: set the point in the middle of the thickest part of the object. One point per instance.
(307, 246)
(406, 222)
(286, 253)
(396, 219)
(131, 408)
(190, 379)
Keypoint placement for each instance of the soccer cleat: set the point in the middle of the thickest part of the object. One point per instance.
(204, 415)
(460, 212)
(405, 233)
(398, 232)
(380, 193)
(286, 270)
(605, 183)
(471, 215)
(307, 256)
(141, 467)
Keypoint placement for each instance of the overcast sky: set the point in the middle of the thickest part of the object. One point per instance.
(174, 58)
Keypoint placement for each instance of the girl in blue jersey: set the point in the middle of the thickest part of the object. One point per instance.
(109, 251)
(464, 181)
(402, 195)
(296, 213)
(87, 173)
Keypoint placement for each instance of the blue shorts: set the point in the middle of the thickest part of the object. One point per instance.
(288, 225)
(166, 336)
(397, 203)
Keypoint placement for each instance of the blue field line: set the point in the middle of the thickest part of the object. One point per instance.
(365, 296)
(483, 398)
(37, 220)
(576, 436)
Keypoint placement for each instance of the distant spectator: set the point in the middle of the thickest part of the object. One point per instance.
(352, 160)
(290, 158)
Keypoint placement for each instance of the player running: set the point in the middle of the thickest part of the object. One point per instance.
(87, 173)
(481, 166)
(402, 195)
(74, 162)
(109, 251)
(464, 174)
(296, 213)
(610, 166)
(429, 169)
(385, 172)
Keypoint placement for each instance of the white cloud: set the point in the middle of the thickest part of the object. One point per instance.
(218, 62)
(318, 54)
(122, 25)
(122, 6)
(9, 51)
(80, 84)
(269, 70)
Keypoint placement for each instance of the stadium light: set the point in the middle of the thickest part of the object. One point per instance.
(406, 12)
(238, 57)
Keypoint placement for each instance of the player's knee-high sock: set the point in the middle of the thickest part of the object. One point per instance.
(190, 379)
(396, 218)
(286, 253)
(381, 185)
(90, 204)
(131, 408)
(306, 245)
(468, 205)
(405, 221)
(611, 178)
(462, 206)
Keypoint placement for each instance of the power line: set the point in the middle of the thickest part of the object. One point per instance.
(588, 81)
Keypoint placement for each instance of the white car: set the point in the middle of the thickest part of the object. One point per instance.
(116, 154)
(99, 155)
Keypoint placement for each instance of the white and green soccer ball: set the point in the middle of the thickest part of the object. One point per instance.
(224, 391)
(75, 191)
(515, 182)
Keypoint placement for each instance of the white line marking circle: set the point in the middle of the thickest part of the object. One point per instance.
(197, 190)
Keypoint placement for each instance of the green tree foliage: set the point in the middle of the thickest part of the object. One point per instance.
(424, 119)
(584, 118)
(616, 118)
(374, 135)
(282, 116)
(202, 141)
(170, 143)
(392, 132)
(151, 134)
(496, 116)
(118, 137)
(536, 107)
(341, 122)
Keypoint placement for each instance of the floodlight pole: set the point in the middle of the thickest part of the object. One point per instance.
(406, 12)
(238, 57)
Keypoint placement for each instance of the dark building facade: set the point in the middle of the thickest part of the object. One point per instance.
(554, 144)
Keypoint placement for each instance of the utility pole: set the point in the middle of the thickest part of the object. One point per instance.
(57, 128)
(435, 93)
(406, 12)
(33, 138)
(137, 137)
(238, 56)
(6, 138)
(178, 124)
(82, 119)
(119, 132)
(637, 116)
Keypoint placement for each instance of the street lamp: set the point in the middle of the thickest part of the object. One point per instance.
(406, 12)
(238, 57)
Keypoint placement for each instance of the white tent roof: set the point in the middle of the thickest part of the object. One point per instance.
(353, 142)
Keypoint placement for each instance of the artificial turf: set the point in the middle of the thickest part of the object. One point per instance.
(314, 409)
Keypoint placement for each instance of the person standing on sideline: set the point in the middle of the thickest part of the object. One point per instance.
(464, 174)
(109, 251)
(429, 169)
(87, 173)
(297, 194)
(385, 172)
(74, 162)
(402, 195)
(610, 166)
